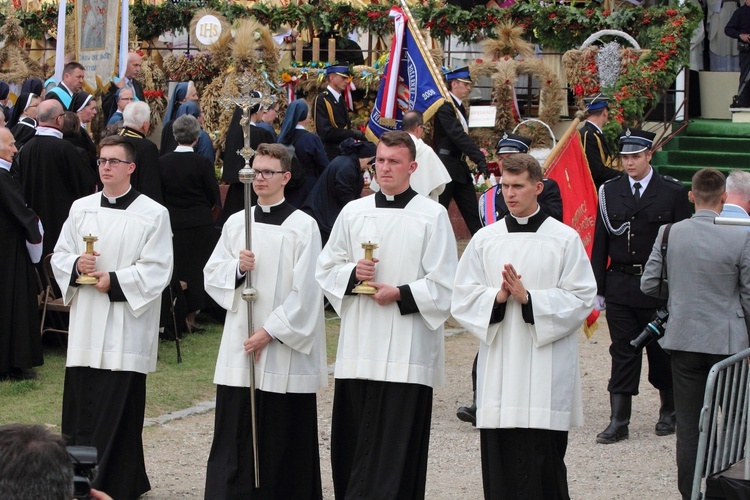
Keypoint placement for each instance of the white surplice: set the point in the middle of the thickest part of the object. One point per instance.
(416, 247)
(135, 243)
(527, 375)
(289, 305)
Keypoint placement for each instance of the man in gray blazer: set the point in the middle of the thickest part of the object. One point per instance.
(738, 195)
(709, 305)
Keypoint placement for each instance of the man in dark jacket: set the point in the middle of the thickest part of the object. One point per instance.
(331, 115)
(453, 145)
(632, 208)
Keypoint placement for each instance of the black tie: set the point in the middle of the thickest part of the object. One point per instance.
(637, 193)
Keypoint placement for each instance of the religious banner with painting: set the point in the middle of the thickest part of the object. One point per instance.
(97, 39)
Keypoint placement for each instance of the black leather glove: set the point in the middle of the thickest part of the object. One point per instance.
(359, 135)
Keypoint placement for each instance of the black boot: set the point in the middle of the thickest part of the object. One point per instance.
(468, 413)
(665, 425)
(617, 430)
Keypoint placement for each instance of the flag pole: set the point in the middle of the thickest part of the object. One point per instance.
(421, 41)
(433, 67)
(572, 128)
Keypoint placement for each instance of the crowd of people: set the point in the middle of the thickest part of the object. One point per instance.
(523, 286)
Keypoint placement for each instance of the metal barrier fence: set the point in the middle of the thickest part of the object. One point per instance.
(724, 420)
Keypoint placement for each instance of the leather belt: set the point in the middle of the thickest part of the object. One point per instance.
(633, 269)
(453, 154)
(448, 152)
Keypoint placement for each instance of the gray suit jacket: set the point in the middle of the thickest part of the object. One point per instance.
(735, 212)
(708, 270)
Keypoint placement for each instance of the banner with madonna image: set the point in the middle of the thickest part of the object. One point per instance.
(410, 80)
(97, 33)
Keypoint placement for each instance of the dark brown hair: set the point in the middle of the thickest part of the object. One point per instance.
(521, 162)
(399, 138)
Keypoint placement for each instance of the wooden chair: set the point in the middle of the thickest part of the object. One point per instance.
(49, 301)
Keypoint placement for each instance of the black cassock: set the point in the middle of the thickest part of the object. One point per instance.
(233, 163)
(20, 341)
(146, 179)
(53, 174)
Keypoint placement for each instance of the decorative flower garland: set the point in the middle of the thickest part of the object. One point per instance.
(556, 26)
(643, 73)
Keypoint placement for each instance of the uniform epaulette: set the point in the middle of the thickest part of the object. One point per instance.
(672, 179)
(613, 179)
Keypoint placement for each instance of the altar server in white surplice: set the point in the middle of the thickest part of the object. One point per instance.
(390, 353)
(114, 324)
(288, 344)
(524, 286)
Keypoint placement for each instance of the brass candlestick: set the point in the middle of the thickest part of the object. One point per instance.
(364, 288)
(85, 279)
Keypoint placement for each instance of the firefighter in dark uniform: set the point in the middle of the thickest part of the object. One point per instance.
(598, 156)
(631, 210)
(453, 145)
(330, 113)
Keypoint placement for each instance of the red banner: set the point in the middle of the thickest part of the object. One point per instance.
(578, 192)
(571, 171)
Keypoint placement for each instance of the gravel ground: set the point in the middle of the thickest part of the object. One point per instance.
(641, 467)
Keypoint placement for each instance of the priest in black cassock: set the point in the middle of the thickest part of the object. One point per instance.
(136, 124)
(233, 162)
(114, 324)
(52, 171)
(288, 342)
(390, 354)
(20, 232)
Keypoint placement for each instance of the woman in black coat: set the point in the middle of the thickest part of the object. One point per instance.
(190, 192)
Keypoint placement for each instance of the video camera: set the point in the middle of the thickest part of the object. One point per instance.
(84, 469)
(653, 331)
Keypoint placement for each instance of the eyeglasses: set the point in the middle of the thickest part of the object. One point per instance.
(268, 174)
(113, 162)
(125, 99)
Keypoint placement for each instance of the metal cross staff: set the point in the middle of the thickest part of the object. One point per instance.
(248, 99)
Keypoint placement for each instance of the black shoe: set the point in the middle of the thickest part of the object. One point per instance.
(666, 424)
(16, 374)
(468, 414)
(617, 430)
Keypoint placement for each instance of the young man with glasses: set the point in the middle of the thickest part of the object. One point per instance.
(114, 323)
(287, 342)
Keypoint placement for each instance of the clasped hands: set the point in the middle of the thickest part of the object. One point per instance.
(87, 265)
(386, 294)
(512, 286)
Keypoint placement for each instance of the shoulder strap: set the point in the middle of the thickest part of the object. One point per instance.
(664, 244)
(665, 241)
